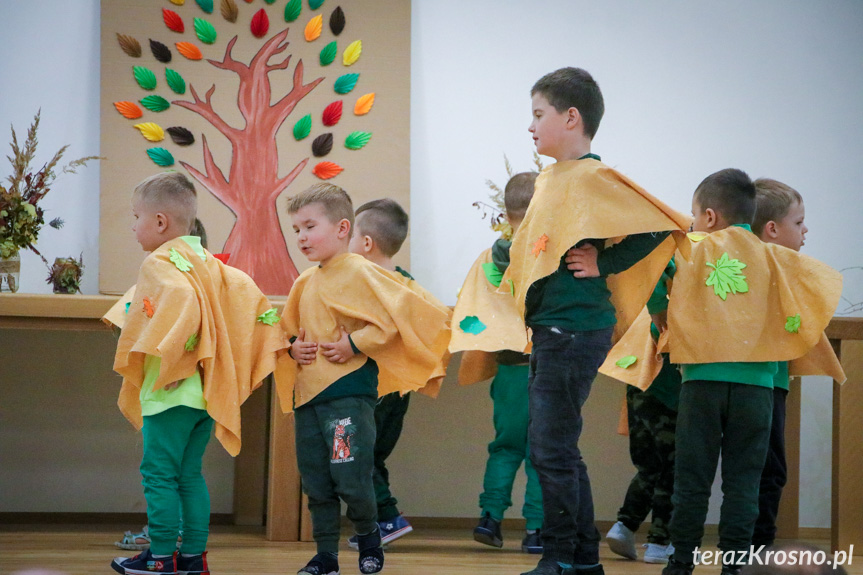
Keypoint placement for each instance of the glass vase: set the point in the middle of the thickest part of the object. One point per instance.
(10, 273)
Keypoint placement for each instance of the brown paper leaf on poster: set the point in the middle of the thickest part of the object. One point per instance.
(229, 10)
(337, 21)
(161, 52)
(181, 136)
(322, 145)
(129, 45)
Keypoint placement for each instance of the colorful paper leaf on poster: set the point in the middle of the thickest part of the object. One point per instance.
(178, 2)
(129, 45)
(229, 10)
(292, 10)
(149, 308)
(303, 127)
(539, 245)
(206, 5)
(161, 157)
(337, 21)
(129, 110)
(322, 145)
(181, 136)
(327, 170)
(328, 54)
(173, 21)
(205, 31)
(346, 83)
(492, 273)
(315, 4)
(364, 104)
(145, 77)
(152, 132)
(314, 28)
(260, 23)
(175, 81)
(357, 140)
(155, 103)
(352, 52)
(160, 52)
(332, 113)
(189, 50)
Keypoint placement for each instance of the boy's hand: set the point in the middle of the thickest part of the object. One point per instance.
(303, 352)
(172, 385)
(660, 320)
(340, 351)
(582, 261)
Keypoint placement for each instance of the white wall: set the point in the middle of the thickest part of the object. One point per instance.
(772, 87)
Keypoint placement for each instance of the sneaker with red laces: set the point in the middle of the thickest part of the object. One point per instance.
(145, 564)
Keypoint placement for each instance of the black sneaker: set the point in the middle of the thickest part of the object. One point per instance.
(548, 566)
(194, 565)
(145, 564)
(488, 531)
(677, 568)
(532, 543)
(730, 570)
(371, 552)
(321, 564)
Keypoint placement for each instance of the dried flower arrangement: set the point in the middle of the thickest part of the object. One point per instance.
(65, 274)
(496, 210)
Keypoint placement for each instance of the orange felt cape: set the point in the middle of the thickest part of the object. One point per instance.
(116, 316)
(585, 199)
(394, 325)
(504, 328)
(218, 304)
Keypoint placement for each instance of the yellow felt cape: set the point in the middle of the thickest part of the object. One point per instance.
(480, 307)
(392, 324)
(584, 199)
(214, 303)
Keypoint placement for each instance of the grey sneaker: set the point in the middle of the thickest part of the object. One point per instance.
(656, 553)
(621, 541)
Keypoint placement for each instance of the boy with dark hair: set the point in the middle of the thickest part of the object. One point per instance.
(501, 345)
(375, 337)
(572, 314)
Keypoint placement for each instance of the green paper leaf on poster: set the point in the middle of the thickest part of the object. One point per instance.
(472, 324)
(175, 81)
(328, 54)
(315, 4)
(161, 157)
(145, 77)
(357, 140)
(492, 273)
(205, 31)
(206, 5)
(155, 103)
(626, 362)
(792, 323)
(292, 10)
(346, 83)
(303, 127)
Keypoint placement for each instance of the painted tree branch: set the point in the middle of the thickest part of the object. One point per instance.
(286, 105)
(213, 179)
(204, 108)
(283, 183)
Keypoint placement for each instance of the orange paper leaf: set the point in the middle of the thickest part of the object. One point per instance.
(148, 307)
(540, 245)
(314, 28)
(189, 50)
(129, 110)
(364, 104)
(327, 170)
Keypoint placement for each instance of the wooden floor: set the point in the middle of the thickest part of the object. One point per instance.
(75, 550)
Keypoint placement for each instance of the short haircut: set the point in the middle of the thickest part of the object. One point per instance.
(171, 193)
(336, 202)
(517, 194)
(386, 222)
(199, 230)
(730, 193)
(773, 200)
(573, 88)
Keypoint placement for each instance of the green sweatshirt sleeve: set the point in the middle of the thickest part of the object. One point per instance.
(622, 256)
(658, 301)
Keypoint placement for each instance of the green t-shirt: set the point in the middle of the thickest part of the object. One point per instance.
(780, 380)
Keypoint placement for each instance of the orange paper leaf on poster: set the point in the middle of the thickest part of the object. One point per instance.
(173, 20)
(260, 23)
(189, 50)
(129, 110)
(314, 28)
(364, 104)
(327, 170)
(540, 245)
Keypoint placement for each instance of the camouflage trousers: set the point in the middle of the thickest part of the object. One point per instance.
(651, 448)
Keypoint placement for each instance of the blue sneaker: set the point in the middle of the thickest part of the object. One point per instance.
(390, 531)
(193, 565)
(488, 531)
(145, 564)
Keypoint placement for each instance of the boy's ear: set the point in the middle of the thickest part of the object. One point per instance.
(712, 218)
(771, 229)
(344, 229)
(162, 221)
(573, 118)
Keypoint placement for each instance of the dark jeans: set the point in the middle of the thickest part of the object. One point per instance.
(774, 476)
(389, 418)
(563, 366)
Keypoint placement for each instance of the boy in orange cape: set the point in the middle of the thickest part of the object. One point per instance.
(197, 340)
(579, 203)
(358, 333)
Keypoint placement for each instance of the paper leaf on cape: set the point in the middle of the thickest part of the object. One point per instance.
(626, 362)
(346, 83)
(161, 52)
(303, 127)
(192, 342)
(511, 287)
(364, 104)
(471, 324)
(726, 277)
(332, 113)
(179, 261)
(175, 81)
(792, 323)
(128, 305)
(205, 31)
(327, 170)
(292, 10)
(152, 132)
(337, 21)
(260, 23)
(149, 308)
(314, 28)
(696, 236)
(270, 317)
(352, 52)
(539, 245)
(229, 10)
(322, 145)
(178, 2)
(145, 77)
(357, 140)
(129, 45)
(155, 103)
(315, 4)
(129, 110)
(189, 50)
(181, 136)
(328, 54)
(206, 5)
(161, 157)
(492, 273)
(173, 21)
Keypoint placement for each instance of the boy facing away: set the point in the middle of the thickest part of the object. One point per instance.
(579, 203)
(357, 333)
(198, 338)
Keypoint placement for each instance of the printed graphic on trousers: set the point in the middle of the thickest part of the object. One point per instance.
(343, 430)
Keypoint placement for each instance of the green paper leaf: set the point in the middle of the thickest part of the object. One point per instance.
(472, 324)
(792, 323)
(303, 127)
(511, 287)
(492, 273)
(269, 317)
(357, 140)
(292, 10)
(726, 277)
(206, 5)
(315, 4)
(145, 77)
(161, 157)
(192, 342)
(178, 260)
(205, 31)
(269, 1)
(155, 103)
(175, 81)
(346, 83)
(328, 54)
(625, 362)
